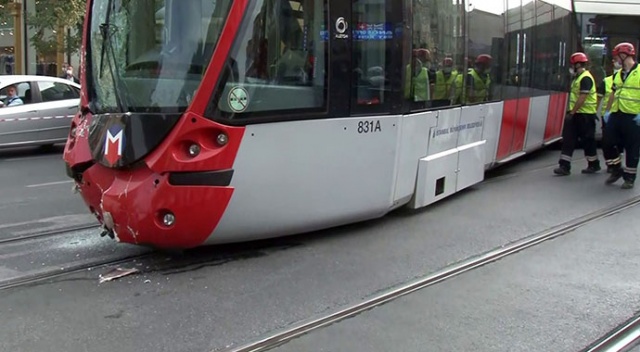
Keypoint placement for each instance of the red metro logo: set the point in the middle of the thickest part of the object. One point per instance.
(114, 144)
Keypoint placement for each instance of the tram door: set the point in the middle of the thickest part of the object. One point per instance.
(366, 65)
(517, 89)
(561, 35)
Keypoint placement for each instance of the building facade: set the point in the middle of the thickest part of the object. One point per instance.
(17, 53)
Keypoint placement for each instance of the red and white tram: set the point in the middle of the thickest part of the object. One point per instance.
(215, 121)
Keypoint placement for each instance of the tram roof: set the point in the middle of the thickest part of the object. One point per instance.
(608, 7)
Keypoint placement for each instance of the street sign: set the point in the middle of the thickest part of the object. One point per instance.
(238, 99)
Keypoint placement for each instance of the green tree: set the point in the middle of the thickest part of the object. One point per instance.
(6, 20)
(51, 16)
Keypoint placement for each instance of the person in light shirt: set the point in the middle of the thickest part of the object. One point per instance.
(12, 97)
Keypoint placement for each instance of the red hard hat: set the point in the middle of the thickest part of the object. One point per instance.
(624, 48)
(578, 58)
(424, 54)
(483, 59)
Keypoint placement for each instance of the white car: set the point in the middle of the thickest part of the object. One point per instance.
(44, 118)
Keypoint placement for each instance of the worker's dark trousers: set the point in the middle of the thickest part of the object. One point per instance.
(579, 127)
(622, 132)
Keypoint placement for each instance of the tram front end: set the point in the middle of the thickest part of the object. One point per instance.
(147, 163)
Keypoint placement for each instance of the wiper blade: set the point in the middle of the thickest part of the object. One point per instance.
(104, 30)
(107, 45)
(118, 83)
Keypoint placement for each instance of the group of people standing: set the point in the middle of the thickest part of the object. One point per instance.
(620, 121)
(443, 86)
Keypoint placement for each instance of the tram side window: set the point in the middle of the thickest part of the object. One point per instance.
(545, 59)
(372, 52)
(434, 75)
(564, 27)
(278, 62)
(486, 63)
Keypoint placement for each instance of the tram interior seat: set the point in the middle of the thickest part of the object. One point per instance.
(376, 76)
(290, 68)
(372, 84)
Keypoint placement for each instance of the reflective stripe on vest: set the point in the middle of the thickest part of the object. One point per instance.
(608, 88)
(442, 88)
(590, 105)
(628, 92)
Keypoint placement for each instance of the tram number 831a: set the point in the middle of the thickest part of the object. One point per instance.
(369, 126)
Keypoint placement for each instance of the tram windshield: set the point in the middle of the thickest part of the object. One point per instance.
(150, 55)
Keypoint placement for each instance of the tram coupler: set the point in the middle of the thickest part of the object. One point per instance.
(107, 232)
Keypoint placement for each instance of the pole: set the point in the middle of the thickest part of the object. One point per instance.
(15, 7)
(69, 47)
(59, 49)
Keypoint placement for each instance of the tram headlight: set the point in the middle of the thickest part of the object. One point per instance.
(194, 150)
(222, 139)
(168, 219)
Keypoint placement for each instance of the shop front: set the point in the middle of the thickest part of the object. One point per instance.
(19, 55)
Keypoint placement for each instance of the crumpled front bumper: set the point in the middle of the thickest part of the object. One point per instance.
(132, 204)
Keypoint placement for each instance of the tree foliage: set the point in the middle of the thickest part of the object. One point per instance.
(5, 15)
(49, 17)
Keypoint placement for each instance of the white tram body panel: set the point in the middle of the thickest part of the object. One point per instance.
(538, 111)
(294, 177)
(301, 176)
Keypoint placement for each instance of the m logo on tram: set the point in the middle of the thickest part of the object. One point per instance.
(113, 145)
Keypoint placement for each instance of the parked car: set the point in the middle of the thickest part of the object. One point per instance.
(45, 116)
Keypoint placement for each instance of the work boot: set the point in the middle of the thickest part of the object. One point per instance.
(592, 168)
(562, 170)
(629, 180)
(616, 174)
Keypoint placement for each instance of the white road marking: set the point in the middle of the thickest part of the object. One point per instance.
(36, 118)
(30, 158)
(49, 184)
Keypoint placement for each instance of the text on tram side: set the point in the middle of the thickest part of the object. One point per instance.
(369, 126)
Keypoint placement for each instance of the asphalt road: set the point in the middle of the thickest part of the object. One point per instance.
(212, 298)
(558, 296)
(36, 194)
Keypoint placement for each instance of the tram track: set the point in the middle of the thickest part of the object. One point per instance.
(621, 339)
(46, 234)
(278, 338)
(27, 280)
(69, 265)
(501, 177)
